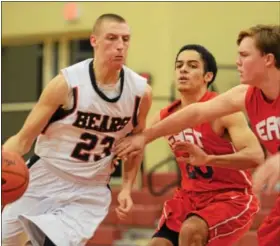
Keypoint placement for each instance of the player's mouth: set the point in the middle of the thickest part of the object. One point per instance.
(240, 73)
(118, 58)
(183, 79)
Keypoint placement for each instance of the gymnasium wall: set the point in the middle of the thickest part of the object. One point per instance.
(158, 31)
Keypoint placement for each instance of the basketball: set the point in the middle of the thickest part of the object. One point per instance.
(15, 177)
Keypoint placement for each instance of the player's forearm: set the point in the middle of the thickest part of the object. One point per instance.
(131, 167)
(180, 120)
(18, 145)
(243, 159)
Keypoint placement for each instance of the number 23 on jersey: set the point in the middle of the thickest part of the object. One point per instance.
(83, 150)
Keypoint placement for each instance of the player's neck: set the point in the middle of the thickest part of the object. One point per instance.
(271, 86)
(104, 75)
(188, 98)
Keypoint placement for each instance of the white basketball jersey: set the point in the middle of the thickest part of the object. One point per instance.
(78, 141)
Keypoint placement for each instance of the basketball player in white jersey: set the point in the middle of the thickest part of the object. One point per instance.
(79, 116)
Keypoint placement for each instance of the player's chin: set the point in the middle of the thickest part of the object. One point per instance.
(247, 81)
(244, 81)
(182, 88)
(117, 64)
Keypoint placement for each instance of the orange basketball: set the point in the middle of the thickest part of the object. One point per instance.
(15, 177)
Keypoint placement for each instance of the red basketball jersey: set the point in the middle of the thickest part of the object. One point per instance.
(264, 118)
(206, 178)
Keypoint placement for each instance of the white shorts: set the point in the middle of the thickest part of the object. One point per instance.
(67, 213)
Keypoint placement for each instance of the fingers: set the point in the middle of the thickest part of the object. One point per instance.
(123, 148)
(121, 215)
(183, 159)
(259, 186)
(124, 208)
(260, 179)
(118, 149)
(119, 210)
(266, 176)
(118, 159)
(120, 141)
(183, 146)
(131, 146)
(272, 181)
(115, 161)
(124, 152)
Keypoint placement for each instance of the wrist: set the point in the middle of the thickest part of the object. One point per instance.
(209, 159)
(148, 135)
(127, 187)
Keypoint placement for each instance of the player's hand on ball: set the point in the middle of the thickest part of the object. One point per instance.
(192, 154)
(267, 175)
(125, 204)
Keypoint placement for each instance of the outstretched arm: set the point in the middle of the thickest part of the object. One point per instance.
(224, 104)
(197, 113)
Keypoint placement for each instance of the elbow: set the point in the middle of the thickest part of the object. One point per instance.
(258, 157)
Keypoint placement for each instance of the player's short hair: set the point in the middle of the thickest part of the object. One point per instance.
(105, 17)
(209, 60)
(267, 39)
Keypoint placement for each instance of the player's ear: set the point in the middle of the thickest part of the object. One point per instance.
(270, 60)
(93, 40)
(208, 77)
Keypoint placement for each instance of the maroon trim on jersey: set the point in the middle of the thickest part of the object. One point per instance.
(173, 106)
(32, 160)
(99, 92)
(61, 113)
(169, 109)
(135, 112)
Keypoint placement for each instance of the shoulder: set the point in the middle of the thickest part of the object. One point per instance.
(241, 90)
(58, 83)
(78, 66)
(171, 108)
(234, 98)
(131, 75)
(253, 93)
(148, 91)
(249, 91)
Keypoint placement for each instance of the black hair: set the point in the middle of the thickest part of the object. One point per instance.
(209, 60)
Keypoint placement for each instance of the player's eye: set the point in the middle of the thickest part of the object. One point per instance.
(112, 38)
(193, 66)
(178, 65)
(126, 39)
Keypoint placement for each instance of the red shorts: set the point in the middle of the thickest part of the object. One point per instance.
(229, 213)
(269, 231)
